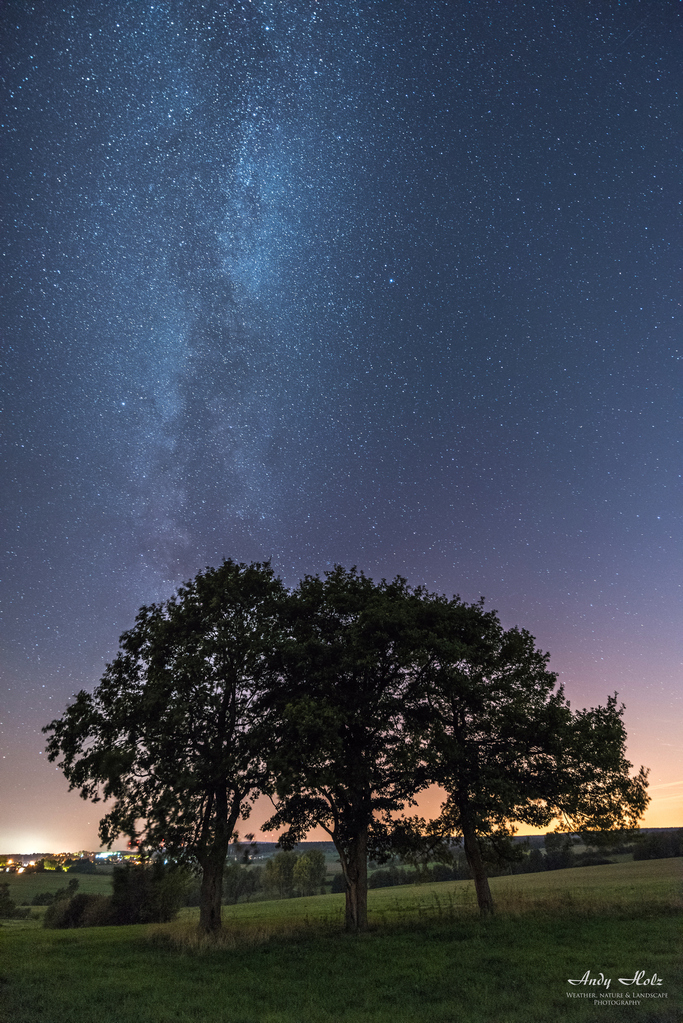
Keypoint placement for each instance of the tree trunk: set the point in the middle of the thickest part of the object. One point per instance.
(476, 865)
(354, 860)
(211, 892)
(213, 861)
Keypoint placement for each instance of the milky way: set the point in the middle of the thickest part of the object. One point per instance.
(381, 284)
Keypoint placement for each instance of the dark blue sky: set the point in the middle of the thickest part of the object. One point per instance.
(386, 284)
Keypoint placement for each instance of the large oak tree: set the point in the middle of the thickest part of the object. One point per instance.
(169, 733)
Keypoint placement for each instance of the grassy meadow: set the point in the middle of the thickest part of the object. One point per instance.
(427, 959)
(23, 887)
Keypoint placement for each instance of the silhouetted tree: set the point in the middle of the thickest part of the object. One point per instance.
(499, 736)
(168, 734)
(341, 759)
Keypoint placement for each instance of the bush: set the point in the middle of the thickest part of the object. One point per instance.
(309, 872)
(338, 884)
(558, 851)
(148, 894)
(79, 911)
(97, 912)
(278, 875)
(442, 872)
(534, 863)
(130, 888)
(589, 859)
(43, 899)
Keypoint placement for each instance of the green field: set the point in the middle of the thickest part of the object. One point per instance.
(427, 959)
(22, 887)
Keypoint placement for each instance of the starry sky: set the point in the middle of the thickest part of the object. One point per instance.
(385, 284)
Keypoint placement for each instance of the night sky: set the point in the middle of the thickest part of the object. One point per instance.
(385, 284)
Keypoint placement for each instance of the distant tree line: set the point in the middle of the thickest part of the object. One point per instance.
(658, 845)
(342, 700)
(285, 875)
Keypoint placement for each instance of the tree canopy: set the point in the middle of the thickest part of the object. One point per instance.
(341, 757)
(499, 736)
(168, 734)
(342, 700)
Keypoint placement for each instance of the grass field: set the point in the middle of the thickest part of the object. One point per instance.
(22, 887)
(427, 959)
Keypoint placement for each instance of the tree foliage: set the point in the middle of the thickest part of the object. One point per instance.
(168, 735)
(240, 882)
(341, 756)
(658, 845)
(309, 872)
(341, 700)
(499, 736)
(278, 874)
(47, 898)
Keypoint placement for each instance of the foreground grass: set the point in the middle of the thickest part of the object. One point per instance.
(425, 960)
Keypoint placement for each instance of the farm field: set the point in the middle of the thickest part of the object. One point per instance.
(23, 887)
(427, 958)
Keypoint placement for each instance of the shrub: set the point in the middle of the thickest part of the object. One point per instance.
(338, 884)
(591, 859)
(43, 899)
(534, 863)
(441, 872)
(97, 911)
(558, 851)
(148, 894)
(278, 874)
(74, 912)
(129, 890)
